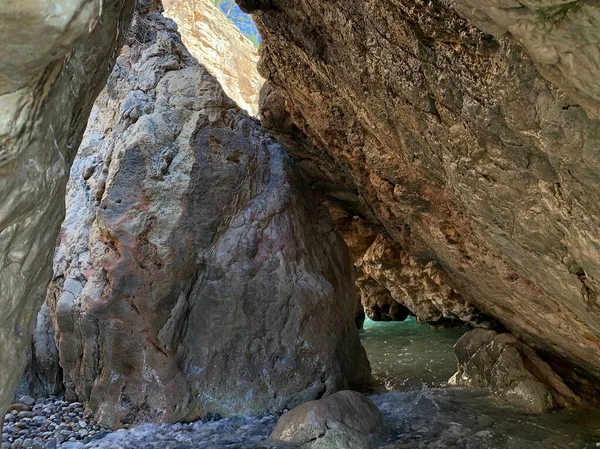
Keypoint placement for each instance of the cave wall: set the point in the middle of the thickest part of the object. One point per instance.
(455, 144)
(55, 59)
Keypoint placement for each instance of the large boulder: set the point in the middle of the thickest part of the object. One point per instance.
(196, 272)
(452, 143)
(55, 58)
(512, 370)
(344, 420)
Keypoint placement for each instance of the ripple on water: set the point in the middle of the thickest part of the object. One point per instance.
(406, 355)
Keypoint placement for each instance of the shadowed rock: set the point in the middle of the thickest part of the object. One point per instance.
(451, 141)
(510, 369)
(196, 272)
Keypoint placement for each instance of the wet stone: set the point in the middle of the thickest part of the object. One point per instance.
(48, 424)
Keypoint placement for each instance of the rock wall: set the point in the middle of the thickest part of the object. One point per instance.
(196, 272)
(452, 142)
(561, 36)
(220, 47)
(55, 59)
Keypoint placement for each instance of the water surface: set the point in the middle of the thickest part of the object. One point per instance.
(406, 355)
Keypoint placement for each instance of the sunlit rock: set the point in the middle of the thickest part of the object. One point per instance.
(561, 36)
(221, 47)
(346, 419)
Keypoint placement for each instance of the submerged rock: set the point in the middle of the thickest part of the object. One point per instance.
(344, 420)
(55, 58)
(196, 272)
(510, 369)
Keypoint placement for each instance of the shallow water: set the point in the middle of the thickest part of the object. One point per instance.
(410, 360)
(414, 361)
(406, 355)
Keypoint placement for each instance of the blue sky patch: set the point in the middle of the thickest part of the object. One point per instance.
(242, 20)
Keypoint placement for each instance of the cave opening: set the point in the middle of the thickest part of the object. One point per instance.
(153, 324)
(408, 355)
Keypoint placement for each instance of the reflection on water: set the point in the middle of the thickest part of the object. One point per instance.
(416, 360)
(406, 355)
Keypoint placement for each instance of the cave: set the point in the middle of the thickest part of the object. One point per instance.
(275, 223)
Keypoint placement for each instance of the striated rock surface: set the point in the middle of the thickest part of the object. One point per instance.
(512, 370)
(460, 150)
(196, 272)
(346, 419)
(220, 47)
(56, 56)
(561, 36)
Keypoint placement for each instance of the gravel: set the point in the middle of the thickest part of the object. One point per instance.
(48, 423)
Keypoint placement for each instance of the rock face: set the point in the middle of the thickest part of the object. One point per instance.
(512, 370)
(390, 276)
(43, 374)
(452, 143)
(562, 37)
(196, 272)
(220, 47)
(46, 92)
(346, 419)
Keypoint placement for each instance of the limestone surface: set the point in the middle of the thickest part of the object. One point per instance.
(452, 143)
(55, 58)
(196, 273)
(561, 36)
(220, 47)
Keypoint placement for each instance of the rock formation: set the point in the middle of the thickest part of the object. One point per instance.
(196, 272)
(561, 36)
(346, 419)
(510, 369)
(43, 374)
(450, 141)
(55, 58)
(220, 47)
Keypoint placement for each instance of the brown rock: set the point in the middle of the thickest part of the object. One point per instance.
(451, 141)
(196, 271)
(510, 369)
(346, 419)
(220, 47)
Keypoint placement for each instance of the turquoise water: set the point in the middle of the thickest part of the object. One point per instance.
(406, 355)
(411, 364)
(242, 20)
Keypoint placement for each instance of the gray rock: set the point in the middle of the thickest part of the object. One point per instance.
(212, 278)
(346, 419)
(512, 370)
(51, 70)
